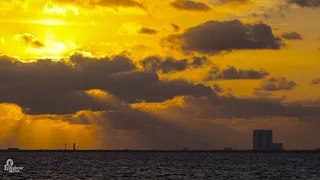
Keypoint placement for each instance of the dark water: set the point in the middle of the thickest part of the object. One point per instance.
(153, 165)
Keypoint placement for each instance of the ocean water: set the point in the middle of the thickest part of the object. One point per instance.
(161, 165)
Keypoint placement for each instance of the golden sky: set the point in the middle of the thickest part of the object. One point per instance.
(146, 74)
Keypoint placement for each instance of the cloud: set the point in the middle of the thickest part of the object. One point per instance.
(305, 3)
(60, 87)
(56, 9)
(316, 80)
(262, 93)
(277, 84)
(217, 88)
(147, 31)
(6, 59)
(170, 64)
(231, 73)
(175, 27)
(199, 61)
(146, 129)
(29, 40)
(190, 5)
(215, 36)
(232, 107)
(155, 63)
(292, 36)
(146, 86)
(222, 107)
(223, 2)
(103, 3)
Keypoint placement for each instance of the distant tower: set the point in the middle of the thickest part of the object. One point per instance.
(262, 139)
(74, 146)
(65, 147)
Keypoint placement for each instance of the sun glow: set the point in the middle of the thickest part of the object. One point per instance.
(49, 22)
(52, 49)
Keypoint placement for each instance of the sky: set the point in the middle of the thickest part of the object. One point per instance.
(147, 74)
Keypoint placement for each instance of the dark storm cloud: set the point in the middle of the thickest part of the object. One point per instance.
(190, 5)
(39, 101)
(156, 130)
(30, 40)
(277, 84)
(230, 107)
(292, 36)
(193, 108)
(147, 130)
(170, 64)
(316, 81)
(147, 31)
(199, 125)
(47, 86)
(103, 3)
(231, 73)
(133, 87)
(225, 107)
(305, 3)
(216, 36)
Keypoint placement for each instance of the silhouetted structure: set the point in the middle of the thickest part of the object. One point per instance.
(277, 146)
(13, 149)
(65, 147)
(185, 149)
(262, 139)
(228, 149)
(74, 146)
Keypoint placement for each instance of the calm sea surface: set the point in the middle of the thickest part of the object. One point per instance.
(156, 165)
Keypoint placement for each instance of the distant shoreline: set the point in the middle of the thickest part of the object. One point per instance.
(169, 151)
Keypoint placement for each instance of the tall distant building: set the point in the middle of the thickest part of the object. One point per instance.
(262, 140)
(74, 146)
(277, 146)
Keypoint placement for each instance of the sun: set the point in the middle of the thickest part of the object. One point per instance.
(52, 50)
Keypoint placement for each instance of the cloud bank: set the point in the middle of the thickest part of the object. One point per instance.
(232, 73)
(215, 36)
(277, 84)
(60, 87)
(305, 3)
(190, 5)
(292, 36)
